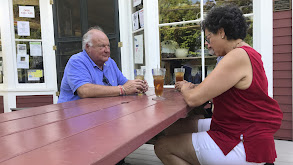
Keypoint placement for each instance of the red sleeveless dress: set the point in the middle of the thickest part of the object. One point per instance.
(249, 113)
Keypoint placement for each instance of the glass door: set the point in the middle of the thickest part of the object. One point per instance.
(68, 32)
(73, 18)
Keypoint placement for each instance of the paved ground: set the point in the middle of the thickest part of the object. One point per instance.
(284, 152)
(145, 155)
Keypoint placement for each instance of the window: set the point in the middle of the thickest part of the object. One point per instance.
(96, 15)
(69, 21)
(181, 38)
(28, 41)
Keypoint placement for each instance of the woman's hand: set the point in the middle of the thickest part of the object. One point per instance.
(179, 85)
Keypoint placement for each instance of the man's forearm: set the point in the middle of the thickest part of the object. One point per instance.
(94, 90)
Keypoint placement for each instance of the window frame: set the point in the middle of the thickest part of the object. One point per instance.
(9, 53)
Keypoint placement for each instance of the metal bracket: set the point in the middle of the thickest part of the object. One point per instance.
(120, 44)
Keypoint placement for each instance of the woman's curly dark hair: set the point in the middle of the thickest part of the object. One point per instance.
(230, 18)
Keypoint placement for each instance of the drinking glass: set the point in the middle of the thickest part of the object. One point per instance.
(139, 74)
(179, 74)
(159, 77)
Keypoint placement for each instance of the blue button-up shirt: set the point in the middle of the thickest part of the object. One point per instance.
(80, 70)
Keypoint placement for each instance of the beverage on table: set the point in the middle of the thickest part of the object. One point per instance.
(159, 84)
(159, 77)
(139, 77)
(179, 74)
(139, 74)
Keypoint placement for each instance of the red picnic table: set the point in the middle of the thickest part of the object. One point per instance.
(88, 131)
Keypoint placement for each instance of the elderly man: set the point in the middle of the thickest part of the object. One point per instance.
(92, 73)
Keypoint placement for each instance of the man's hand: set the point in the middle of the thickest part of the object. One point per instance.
(146, 86)
(135, 86)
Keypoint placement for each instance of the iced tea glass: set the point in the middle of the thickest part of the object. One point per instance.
(159, 77)
(179, 74)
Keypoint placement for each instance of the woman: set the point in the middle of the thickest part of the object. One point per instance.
(244, 119)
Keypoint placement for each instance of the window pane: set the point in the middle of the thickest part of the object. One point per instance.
(245, 5)
(27, 27)
(34, 71)
(180, 47)
(68, 14)
(65, 51)
(69, 48)
(176, 11)
(247, 8)
(210, 62)
(114, 52)
(97, 16)
(249, 37)
(173, 39)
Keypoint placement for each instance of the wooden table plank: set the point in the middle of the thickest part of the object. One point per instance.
(109, 142)
(30, 112)
(64, 128)
(22, 124)
(24, 121)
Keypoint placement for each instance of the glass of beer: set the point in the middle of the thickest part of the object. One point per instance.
(179, 74)
(139, 74)
(159, 77)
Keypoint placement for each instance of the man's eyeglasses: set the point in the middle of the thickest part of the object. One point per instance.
(207, 39)
(106, 81)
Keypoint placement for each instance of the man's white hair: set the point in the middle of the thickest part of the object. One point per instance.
(87, 37)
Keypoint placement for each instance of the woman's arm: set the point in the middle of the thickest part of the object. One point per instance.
(233, 70)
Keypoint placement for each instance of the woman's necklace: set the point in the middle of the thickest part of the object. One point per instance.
(237, 44)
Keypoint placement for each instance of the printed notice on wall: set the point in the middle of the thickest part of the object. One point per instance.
(141, 18)
(23, 61)
(136, 2)
(27, 11)
(135, 21)
(23, 28)
(35, 49)
(21, 49)
(34, 74)
(138, 49)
